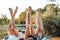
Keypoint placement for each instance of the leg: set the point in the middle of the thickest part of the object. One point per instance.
(12, 24)
(31, 23)
(10, 31)
(11, 11)
(27, 25)
(39, 23)
(15, 11)
(29, 28)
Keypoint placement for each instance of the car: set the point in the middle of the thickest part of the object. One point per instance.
(22, 30)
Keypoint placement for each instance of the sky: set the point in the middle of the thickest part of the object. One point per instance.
(22, 5)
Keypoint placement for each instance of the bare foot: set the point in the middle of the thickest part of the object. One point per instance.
(11, 11)
(15, 11)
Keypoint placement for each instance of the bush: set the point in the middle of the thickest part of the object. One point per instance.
(3, 33)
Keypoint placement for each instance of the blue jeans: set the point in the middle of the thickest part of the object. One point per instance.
(38, 38)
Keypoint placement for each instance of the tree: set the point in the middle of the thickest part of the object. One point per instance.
(4, 20)
(51, 19)
(22, 18)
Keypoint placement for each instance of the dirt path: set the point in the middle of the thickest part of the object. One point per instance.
(56, 38)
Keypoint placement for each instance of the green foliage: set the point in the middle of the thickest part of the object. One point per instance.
(51, 18)
(4, 20)
(3, 33)
(16, 21)
(22, 17)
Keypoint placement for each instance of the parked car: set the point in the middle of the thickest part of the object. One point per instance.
(22, 30)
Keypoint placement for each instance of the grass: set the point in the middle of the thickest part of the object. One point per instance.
(3, 33)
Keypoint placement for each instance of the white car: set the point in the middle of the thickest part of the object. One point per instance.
(23, 31)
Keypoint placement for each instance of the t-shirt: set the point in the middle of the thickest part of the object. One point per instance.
(21, 35)
(13, 37)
